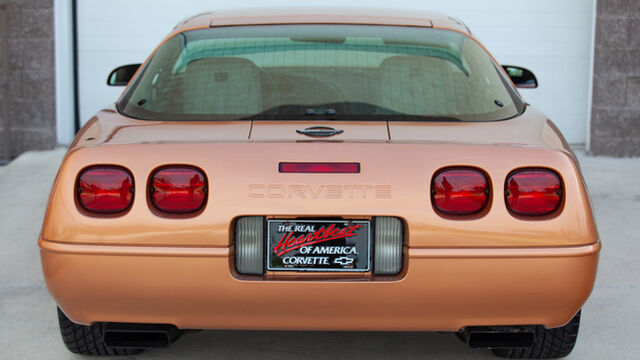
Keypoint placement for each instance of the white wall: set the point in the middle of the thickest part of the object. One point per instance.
(552, 38)
(64, 71)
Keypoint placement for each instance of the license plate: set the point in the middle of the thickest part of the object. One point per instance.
(319, 245)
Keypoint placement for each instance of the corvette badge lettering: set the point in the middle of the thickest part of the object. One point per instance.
(296, 191)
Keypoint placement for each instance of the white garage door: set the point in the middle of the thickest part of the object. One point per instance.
(552, 38)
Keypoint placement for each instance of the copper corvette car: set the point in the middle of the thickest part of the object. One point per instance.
(320, 170)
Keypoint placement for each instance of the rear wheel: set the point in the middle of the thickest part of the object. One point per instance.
(87, 340)
(548, 343)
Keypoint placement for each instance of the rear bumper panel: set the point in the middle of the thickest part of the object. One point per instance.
(440, 289)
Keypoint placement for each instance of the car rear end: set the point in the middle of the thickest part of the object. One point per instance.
(421, 268)
(316, 211)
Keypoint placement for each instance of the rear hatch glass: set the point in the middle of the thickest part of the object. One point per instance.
(328, 72)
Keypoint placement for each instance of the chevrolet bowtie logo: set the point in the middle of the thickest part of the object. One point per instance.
(343, 260)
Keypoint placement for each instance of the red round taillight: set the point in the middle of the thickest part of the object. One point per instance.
(459, 191)
(533, 192)
(105, 189)
(178, 189)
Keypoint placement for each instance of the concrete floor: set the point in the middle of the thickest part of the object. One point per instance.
(610, 319)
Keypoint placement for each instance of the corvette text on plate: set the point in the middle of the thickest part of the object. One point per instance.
(311, 245)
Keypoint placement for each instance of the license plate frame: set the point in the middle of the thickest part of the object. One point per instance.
(348, 253)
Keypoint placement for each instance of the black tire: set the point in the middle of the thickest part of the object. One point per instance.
(548, 344)
(87, 340)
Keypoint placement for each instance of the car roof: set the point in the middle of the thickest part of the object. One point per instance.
(315, 15)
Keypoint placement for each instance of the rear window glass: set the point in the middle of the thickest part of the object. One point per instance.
(321, 71)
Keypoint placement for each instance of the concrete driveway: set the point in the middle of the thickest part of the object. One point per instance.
(29, 329)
